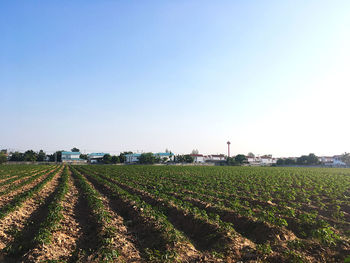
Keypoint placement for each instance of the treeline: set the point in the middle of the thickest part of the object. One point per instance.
(310, 159)
(114, 159)
(41, 156)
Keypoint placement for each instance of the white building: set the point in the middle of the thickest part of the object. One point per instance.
(96, 157)
(265, 160)
(326, 160)
(166, 157)
(337, 161)
(72, 157)
(215, 158)
(198, 158)
(132, 157)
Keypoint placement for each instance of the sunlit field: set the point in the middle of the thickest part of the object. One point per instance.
(119, 213)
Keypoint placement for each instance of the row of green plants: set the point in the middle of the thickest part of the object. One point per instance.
(19, 199)
(171, 237)
(219, 233)
(25, 182)
(55, 214)
(106, 252)
(12, 178)
(8, 173)
(278, 215)
(43, 234)
(10, 170)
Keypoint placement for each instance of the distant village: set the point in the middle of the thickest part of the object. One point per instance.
(169, 158)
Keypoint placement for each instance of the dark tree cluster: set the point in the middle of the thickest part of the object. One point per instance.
(310, 159)
(187, 158)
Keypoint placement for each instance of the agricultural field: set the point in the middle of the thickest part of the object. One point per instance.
(109, 213)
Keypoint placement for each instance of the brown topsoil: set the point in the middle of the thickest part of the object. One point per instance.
(203, 234)
(64, 238)
(4, 199)
(17, 220)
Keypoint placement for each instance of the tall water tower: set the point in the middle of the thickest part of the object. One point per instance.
(228, 148)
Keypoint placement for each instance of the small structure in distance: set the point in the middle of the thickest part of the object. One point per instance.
(72, 157)
(96, 157)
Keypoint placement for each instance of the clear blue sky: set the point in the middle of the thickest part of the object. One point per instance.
(270, 76)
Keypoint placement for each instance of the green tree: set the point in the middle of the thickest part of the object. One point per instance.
(3, 158)
(30, 156)
(179, 158)
(57, 156)
(280, 162)
(231, 161)
(302, 160)
(312, 159)
(107, 158)
(41, 156)
(75, 150)
(289, 161)
(147, 158)
(115, 159)
(83, 156)
(345, 157)
(188, 158)
(122, 157)
(240, 158)
(17, 157)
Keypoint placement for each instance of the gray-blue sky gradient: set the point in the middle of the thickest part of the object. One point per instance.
(270, 76)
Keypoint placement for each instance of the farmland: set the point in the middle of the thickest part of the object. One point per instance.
(108, 213)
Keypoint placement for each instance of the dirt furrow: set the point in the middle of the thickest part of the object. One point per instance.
(9, 178)
(144, 234)
(16, 221)
(4, 199)
(64, 239)
(124, 241)
(203, 235)
(29, 173)
(6, 185)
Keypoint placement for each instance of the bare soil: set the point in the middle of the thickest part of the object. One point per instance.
(64, 238)
(17, 220)
(4, 199)
(205, 236)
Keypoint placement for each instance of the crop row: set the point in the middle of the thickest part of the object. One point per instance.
(198, 198)
(19, 199)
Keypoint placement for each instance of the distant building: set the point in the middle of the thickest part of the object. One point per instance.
(132, 157)
(217, 159)
(332, 161)
(72, 157)
(96, 157)
(267, 160)
(337, 161)
(135, 157)
(326, 160)
(198, 158)
(264, 160)
(165, 156)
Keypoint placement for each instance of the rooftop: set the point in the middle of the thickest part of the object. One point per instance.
(163, 154)
(71, 153)
(97, 154)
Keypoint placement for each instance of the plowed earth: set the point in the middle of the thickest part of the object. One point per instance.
(173, 214)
